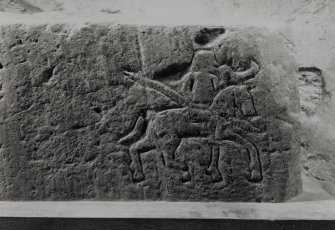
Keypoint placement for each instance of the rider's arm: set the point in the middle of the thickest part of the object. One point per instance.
(160, 87)
(244, 75)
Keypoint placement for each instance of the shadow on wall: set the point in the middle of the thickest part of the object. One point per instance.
(318, 133)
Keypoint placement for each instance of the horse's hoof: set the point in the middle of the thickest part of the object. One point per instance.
(186, 177)
(138, 177)
(216, 176)
(255, 176)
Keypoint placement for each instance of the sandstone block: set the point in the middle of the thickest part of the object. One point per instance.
(123, 112)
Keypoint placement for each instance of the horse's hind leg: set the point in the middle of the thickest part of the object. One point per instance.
(169, 148)
(255, 164)
(136, 149)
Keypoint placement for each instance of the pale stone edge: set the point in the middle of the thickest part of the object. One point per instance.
(316, 210)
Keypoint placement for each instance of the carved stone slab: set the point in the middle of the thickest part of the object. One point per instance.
(121, 112)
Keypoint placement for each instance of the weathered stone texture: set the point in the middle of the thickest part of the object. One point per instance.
(120, 112)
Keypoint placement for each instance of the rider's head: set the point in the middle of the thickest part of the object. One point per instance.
(204, 61)
(200, 84)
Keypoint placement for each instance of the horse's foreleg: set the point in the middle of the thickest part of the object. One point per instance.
(135, 133)
(213, 169)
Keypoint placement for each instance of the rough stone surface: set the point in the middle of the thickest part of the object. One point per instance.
(312, 90)
(121, 112)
